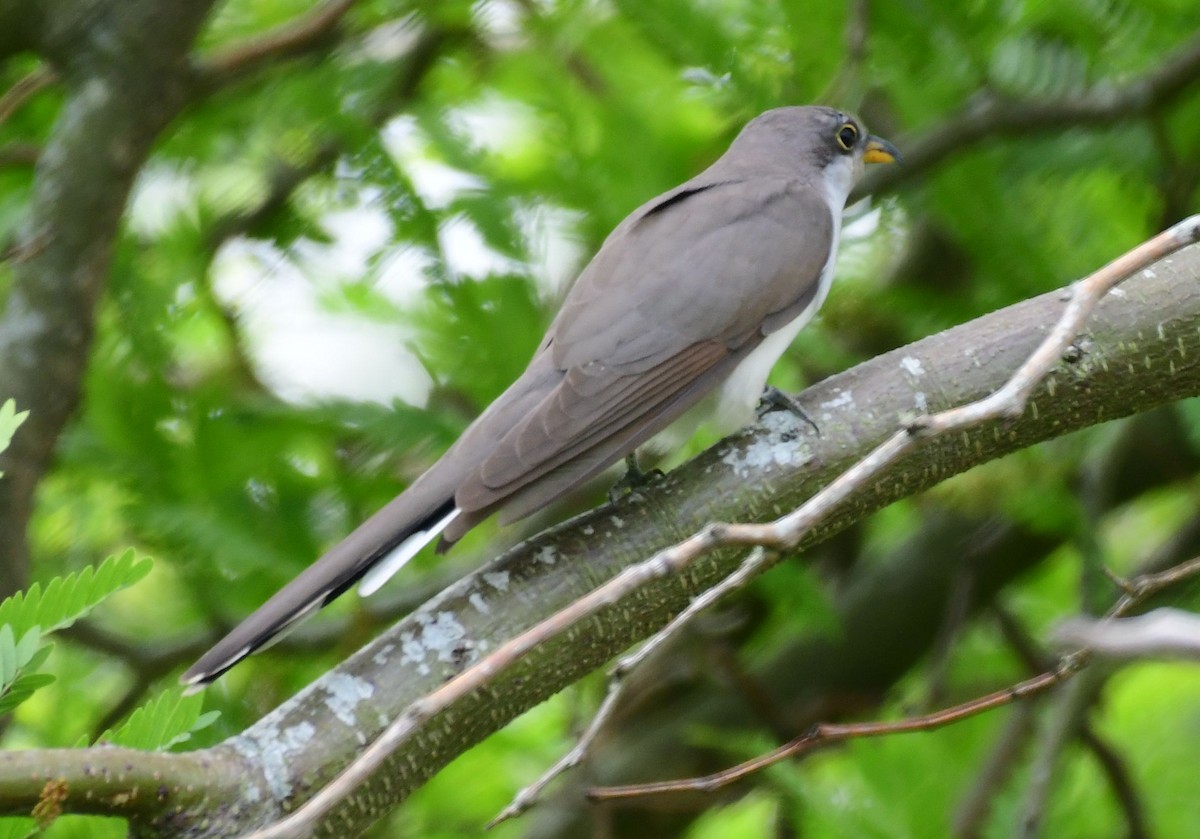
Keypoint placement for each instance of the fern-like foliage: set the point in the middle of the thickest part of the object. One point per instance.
(9, 421)
(67, 599)
(28, 617)
(165, 721)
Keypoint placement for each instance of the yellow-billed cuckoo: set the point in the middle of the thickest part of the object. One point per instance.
(702, 287)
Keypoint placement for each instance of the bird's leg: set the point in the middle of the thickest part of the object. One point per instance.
(774, 399)
(633, 478)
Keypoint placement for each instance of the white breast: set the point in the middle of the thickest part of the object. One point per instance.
(732, 405)
(739, 393)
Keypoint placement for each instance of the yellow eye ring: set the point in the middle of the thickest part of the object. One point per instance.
(847, 136)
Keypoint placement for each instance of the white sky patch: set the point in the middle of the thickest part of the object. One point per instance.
(466, 253)
(389, 41)
(160, 197)
(304, 352)
(436, 183)
(555, 252)
(500, 20)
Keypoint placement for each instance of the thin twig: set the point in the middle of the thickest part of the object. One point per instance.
(1009, 401)
(826, 734)
(298, 36)
(758, 560)
(1110, 761)
(24, 89)
(784, 533)
(991, 117)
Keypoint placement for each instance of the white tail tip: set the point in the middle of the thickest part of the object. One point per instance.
(386, 568)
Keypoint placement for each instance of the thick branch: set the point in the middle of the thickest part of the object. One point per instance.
(1151, 339)
(118, 101)
(1142, 349)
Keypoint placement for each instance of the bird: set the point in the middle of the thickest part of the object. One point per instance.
(695, 294)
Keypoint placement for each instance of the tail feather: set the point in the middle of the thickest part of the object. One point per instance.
(346, 564)
(386, 568)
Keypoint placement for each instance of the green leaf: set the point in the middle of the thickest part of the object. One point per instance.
(21, 689)
(67, 599)
(19, 662)
(8, 656)
(9, 421)
(165, 721)
(17, 828)
(29, 646)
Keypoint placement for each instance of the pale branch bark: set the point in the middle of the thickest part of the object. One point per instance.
(1007, 402)
(991, 117)
(1141, 349)
(118, 100)
(888, 614)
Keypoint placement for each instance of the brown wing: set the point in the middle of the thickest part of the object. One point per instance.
(672, 301)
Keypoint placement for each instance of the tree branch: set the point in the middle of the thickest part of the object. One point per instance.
(117, 103)
(23, 89)
(824, 735)
(1141, 349)
(311, 32)
(1009, 401)
(991, 117)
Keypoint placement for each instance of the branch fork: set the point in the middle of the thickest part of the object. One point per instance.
(1009, 401)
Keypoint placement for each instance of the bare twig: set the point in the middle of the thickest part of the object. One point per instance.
(1008, 402)
(826, 734)
(758, 560)
(309, 32)
(19, 154)
(1120, 780)
(786, 532)
(1110, 762)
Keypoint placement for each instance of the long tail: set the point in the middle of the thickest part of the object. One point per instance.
(371, 554)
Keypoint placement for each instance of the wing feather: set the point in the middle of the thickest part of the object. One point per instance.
(673, 296)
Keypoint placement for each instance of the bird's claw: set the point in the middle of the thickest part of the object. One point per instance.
(774, 399)
(633, 479)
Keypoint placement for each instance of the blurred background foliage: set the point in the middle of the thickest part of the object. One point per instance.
(330, 266)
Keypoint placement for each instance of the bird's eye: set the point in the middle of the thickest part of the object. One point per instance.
(847, 136)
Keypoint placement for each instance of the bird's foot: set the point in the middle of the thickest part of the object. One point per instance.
(633, 479)
(774, 399)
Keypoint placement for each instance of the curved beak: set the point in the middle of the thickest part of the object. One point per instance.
(880, 150)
